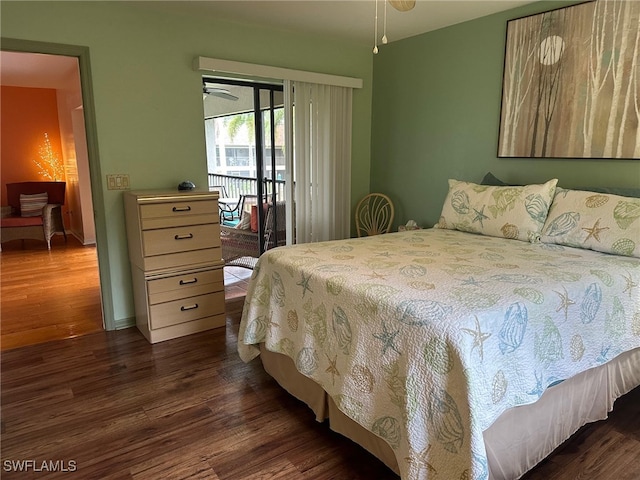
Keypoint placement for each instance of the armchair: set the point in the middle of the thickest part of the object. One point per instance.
(239, 243)
(15, 226)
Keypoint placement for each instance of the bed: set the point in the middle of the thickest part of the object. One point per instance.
(466, 351)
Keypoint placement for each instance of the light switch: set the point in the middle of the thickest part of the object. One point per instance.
(118, 181)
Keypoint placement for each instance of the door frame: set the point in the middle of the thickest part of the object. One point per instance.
(86, 85)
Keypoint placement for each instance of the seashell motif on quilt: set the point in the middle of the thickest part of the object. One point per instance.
(424, 286)
(389, 429)
(513, 328)
(626, 212)
(623, 246)
(342, 329)
(531, 294)
(335, 284)
(438, 355)
(256, 330)
(460, 202)
(591, 303)
(413, 270)
(562, 224)
(548, 344)
(277, 289)
(307, 361)
(421, 312)
(509, 230)
(615, 320)
(363, 378)
(372, 297)
(576, 348)
(498, 386)
(603, 276)
(536, 207)
(595, 201)
(292, 320)
(444, 416)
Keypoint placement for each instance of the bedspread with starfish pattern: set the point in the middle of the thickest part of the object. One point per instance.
(426, 337)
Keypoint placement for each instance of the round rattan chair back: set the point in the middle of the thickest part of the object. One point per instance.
(374, 215)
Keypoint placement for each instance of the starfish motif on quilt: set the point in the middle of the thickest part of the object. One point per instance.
(565, 302)
(387, 338)
(472, 281)
(594, 231)
(630, 284)
(304, 283)
(480, 216)
(479, 337)
(383, 254)
(375, 275)
(332, 368)
(309, 251)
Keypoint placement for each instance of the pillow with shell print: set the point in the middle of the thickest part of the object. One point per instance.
(516, 212)
(595, 221)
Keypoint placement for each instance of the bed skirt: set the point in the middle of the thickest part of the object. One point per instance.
(518, 440)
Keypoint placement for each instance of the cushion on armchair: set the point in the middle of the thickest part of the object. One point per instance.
(32, 205)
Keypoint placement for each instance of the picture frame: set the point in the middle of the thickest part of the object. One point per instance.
(571, 83)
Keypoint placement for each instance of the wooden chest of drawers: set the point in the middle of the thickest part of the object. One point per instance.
(176, 262)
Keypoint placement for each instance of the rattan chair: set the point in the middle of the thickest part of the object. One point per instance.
(374, 215)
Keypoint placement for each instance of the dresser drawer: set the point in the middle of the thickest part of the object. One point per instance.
(179, 209)
(180, 239)
(186, 285)
(186, 309)
(183, 260)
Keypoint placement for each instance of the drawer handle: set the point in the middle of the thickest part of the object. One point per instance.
(184, 237)
(188, 282)
(189, 307)
(182, 209)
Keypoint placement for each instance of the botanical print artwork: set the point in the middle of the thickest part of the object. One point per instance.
(571, 86)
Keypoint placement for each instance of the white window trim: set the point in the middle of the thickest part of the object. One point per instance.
(266, 71)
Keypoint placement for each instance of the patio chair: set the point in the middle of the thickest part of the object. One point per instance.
(241, 245)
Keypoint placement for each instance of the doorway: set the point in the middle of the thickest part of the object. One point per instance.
(244, 132)
(38, 279)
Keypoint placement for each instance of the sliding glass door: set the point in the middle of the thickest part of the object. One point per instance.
(244, 131)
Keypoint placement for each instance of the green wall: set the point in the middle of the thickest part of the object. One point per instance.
(148, 99)
(436, 113)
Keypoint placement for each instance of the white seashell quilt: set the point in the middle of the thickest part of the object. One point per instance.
(425, 337)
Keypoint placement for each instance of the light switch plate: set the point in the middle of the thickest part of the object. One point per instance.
(119, 181)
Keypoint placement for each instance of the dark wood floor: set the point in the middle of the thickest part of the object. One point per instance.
(120, 408)
(109, 405)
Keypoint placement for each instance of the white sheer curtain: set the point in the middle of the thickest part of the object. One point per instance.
(321, 160)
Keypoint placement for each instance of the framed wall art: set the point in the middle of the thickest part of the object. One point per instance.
(571, 83)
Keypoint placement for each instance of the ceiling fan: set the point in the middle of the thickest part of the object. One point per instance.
(401, 6)
(218, 92)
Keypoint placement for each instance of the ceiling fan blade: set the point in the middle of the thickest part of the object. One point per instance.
(402, 5)
(220, 93)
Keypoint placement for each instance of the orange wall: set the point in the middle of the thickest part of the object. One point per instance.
(27, 114)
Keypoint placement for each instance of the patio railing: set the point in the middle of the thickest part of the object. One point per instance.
(235, 186)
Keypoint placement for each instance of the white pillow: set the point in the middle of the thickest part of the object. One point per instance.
(595, 221)
(517, 212)
(245, 221)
